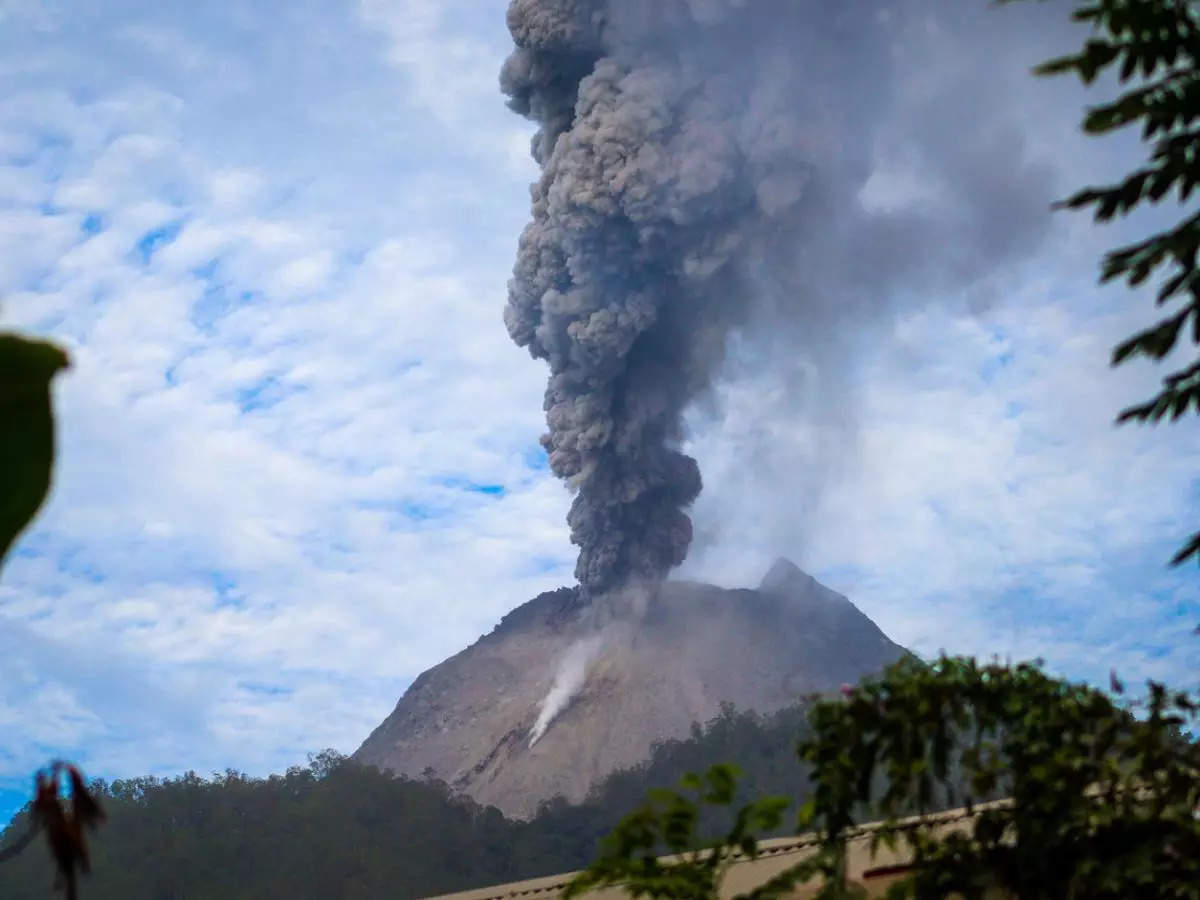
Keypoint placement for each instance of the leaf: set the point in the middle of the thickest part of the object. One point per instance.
(806, 814)
(1191, 548)
(26, 431)
(1171, 287)
(1154, 342)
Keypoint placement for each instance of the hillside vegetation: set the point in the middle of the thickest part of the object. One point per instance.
(337, 829)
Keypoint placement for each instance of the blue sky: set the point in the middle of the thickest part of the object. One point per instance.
(299, 457)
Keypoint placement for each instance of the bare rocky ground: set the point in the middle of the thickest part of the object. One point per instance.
(644, 678)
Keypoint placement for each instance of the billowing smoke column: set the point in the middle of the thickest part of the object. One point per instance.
(704, 171)
(681, 143)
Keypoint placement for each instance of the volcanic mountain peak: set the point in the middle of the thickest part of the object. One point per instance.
(616, 690)
(784, 574)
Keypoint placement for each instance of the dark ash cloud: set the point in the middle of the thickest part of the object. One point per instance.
(703, 172)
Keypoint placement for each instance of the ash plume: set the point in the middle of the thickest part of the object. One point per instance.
(701, 169)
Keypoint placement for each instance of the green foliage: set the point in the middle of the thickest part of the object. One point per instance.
(1157, 41)
(337, 829)
(26, 431)
(1100, 798)
(762, 747)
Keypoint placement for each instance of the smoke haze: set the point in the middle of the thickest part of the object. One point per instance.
(718, 168)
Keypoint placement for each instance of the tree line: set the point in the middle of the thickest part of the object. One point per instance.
(338, 829)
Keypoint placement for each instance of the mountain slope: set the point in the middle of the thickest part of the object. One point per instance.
(469, 720)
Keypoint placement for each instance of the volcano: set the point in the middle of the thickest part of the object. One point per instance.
(469, 720)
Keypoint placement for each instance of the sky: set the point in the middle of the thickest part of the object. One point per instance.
(299, 457)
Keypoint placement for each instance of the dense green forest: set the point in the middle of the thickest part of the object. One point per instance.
(336, 829)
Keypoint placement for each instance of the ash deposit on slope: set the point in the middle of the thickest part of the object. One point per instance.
(470, 719)
(703, 169)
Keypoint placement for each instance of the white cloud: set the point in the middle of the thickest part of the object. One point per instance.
(446, 53)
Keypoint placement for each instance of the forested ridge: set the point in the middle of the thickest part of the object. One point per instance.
(337, 829)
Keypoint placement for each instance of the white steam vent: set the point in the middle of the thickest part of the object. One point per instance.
(568, 680)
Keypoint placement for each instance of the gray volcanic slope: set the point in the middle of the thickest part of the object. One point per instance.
(469, 719)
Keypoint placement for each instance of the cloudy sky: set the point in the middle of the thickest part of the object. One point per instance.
(299, 458)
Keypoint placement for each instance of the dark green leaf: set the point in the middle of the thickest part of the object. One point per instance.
(26, 431)
(1191, 548)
